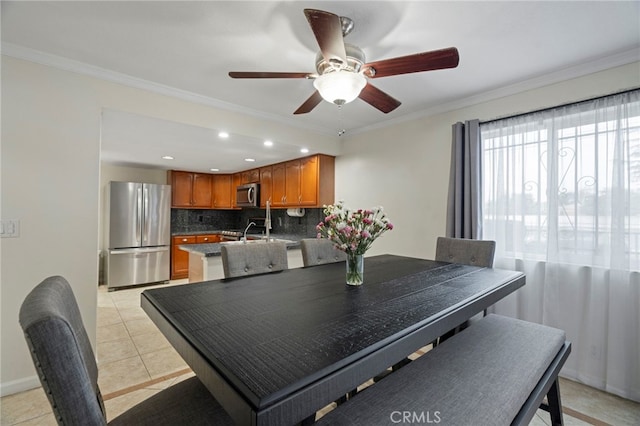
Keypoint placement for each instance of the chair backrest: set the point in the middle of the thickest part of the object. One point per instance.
(62, 354)
(318, 251)
(240, 260)
(468, 252)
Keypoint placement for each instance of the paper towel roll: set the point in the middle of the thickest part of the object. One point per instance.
(295, 212)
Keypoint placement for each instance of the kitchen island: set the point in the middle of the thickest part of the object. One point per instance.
(205, 262)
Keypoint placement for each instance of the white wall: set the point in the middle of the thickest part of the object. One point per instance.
(405, 168)
(50, 182)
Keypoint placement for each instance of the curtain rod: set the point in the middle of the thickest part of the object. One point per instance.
(560, 106)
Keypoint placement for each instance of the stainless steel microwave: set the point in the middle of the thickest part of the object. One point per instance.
(248, 195)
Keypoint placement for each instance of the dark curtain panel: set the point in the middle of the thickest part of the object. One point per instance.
(464, 207)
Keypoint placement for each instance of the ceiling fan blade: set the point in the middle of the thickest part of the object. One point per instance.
(426, 61)
(250, 74)
(327, 28)
(378, 99)
(309, 104)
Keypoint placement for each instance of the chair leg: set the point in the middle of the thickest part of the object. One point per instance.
(397, 366)
(555, 404)
(309, 420)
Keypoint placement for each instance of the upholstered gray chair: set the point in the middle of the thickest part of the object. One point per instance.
(239, 260)
(457, 250)
(467, 252)
(67, 369)
(318, 251)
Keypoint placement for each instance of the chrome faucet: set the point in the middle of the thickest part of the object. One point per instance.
(267, 219)
(245, 231)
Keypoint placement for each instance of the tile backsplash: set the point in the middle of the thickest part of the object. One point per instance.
(186, 220)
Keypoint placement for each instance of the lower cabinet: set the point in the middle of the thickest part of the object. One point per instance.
(180, 258)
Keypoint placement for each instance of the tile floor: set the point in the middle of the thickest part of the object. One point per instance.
(135, 361)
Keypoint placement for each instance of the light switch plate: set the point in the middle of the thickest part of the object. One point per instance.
(10, 229)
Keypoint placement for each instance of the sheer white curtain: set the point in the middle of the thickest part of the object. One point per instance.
(561, 197)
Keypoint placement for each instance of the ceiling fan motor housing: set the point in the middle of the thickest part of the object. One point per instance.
(355, 61)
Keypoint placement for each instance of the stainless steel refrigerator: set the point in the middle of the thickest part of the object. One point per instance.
(139, 233)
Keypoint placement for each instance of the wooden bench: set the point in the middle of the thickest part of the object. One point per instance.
(496, 372)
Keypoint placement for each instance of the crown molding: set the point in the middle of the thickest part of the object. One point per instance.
(579, 70)
(575, 71)
(39, 57)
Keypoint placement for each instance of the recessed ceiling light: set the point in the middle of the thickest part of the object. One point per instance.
(223, 135)
(251, 160)
(268, 143)
(167, 157)
(304, 150)
(215, 170)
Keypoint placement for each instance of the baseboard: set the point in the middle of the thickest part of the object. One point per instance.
(20, 385)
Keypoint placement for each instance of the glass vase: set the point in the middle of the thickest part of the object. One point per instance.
(355, 268)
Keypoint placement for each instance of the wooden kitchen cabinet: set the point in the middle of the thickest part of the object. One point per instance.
(305, 182)
(236, 178)
(180, 258)
(190, 190)
(292, 183)
(221, 192)
(265, 186)
(207, 239)
(250, 176)
(278, 185)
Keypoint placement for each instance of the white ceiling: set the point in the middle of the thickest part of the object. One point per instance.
(187, 49)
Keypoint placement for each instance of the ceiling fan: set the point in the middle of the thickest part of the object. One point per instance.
(342, 72)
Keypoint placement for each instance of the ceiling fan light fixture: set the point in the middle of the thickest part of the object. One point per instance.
(340, 87)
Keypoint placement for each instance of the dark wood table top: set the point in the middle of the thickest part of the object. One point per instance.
(274, 348)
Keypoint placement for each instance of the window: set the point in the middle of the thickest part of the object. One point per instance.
(564, 184)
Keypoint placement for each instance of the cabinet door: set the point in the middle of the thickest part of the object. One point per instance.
(265, 186)
(308, 181)
(236, 180)
(254, 176)
(292, 192)
(201, 190)
(180, 258)
(221, 191)
(181, 189)
(251, 176)
(278, 184)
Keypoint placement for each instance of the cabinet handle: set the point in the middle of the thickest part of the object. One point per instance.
(206, 239)
(184, 240)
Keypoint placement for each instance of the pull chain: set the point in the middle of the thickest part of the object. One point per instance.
(341, 129)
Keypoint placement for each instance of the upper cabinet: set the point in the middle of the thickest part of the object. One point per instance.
(250, 176)
(190, 190)
(265, 185)
(236, 180)
(221, 192)
(305, 182)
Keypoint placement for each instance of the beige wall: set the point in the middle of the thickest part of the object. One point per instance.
(51, 183)
(405, 168)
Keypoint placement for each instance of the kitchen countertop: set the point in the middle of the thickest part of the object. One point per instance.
(214, 232)
(213, 249)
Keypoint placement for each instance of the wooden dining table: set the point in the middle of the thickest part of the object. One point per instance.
(275, 348)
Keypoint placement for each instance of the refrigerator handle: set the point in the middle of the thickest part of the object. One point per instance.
(145, 217)
(139, 215)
